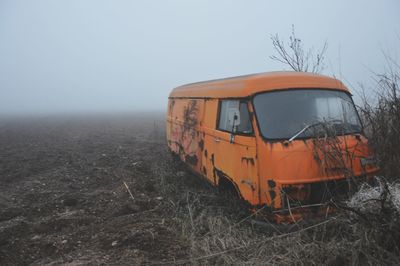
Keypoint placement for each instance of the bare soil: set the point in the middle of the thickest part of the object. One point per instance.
(64, 201)
(63, 197)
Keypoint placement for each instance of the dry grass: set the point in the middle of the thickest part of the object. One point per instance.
(219, 231)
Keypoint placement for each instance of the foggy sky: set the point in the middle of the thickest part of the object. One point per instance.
(58, 56)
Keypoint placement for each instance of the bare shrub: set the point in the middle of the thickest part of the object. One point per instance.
(331, 151)
(381, 117)
(296, 56)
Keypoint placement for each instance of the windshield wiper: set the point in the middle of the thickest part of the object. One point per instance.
(304, 129)
(332, 121)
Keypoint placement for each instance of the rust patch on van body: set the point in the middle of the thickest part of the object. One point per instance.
(249, 183)
(190, 116)
(191, 159)
(183, 130)
(248, 160)
(201, 144)
(271, 183)
(204, 170)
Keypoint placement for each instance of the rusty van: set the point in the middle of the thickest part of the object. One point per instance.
(258, 134)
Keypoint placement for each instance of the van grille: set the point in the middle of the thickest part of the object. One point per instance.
(317, 193)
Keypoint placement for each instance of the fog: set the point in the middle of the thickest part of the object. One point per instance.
(74, 56)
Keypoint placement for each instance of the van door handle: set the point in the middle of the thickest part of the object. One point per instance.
(217, 139)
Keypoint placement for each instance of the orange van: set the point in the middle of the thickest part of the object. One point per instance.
(265, 135)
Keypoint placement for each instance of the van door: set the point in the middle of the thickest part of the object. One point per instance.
(231, 147)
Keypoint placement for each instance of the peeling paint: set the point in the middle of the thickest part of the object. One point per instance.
(204, 169)
(248, 182)
(201, 144)
(191, 159)
(248, 160)
(271, 183)
(272, 194)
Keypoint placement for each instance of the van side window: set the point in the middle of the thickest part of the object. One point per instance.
(242, 124)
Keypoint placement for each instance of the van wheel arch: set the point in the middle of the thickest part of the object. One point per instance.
(227, 185)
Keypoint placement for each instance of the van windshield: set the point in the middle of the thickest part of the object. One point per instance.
(302, 113)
